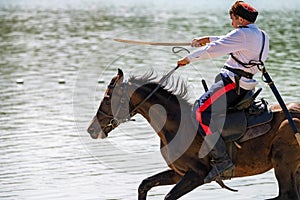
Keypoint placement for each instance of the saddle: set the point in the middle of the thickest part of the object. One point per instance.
(248, 119)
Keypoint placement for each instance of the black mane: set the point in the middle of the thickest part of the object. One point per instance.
(171, 86)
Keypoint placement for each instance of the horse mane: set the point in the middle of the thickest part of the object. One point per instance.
(170, 87)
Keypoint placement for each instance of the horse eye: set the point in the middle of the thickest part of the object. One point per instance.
(107, 102)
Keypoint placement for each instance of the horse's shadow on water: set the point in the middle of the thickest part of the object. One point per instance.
(181, 145)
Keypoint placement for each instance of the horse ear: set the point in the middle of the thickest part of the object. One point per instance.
(120, 76)
(120, 72)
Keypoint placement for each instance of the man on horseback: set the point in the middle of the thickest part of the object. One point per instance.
(248, 46)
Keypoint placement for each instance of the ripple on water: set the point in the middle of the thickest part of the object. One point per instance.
(45, 152)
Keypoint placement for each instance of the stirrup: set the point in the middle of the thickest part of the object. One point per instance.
(226, 174)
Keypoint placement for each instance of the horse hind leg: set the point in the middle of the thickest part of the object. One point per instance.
(286, 163)
(297, 179)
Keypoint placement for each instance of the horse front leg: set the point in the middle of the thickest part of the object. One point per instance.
(189, 181)
(168, 177)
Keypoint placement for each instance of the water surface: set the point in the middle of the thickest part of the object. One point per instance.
(45, 152)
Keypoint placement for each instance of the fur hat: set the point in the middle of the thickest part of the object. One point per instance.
(244, 10)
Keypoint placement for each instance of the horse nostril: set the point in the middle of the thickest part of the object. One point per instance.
(91, 130)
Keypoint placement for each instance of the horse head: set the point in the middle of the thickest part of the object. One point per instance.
(113, 109)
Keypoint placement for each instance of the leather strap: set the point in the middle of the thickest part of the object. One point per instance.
(239, 72)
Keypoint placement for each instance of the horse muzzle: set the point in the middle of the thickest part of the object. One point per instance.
(95, 130)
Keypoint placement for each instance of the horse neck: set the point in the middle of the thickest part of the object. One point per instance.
(171, 119)
(157, 110)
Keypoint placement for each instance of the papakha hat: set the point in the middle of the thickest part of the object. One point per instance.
(244, 10)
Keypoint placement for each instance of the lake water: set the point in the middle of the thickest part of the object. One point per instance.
(45, 151)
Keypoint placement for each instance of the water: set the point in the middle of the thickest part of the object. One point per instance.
(45, 152)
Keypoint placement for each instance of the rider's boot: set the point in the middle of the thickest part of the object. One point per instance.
(221, 160)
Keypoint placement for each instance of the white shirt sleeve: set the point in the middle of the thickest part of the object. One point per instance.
(219, 46)
(214, 38)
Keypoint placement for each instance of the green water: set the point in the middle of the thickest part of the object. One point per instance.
(45, 152)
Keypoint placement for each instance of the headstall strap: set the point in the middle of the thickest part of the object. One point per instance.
(115, 120)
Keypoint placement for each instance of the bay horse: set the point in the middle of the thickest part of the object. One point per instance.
(166, 107)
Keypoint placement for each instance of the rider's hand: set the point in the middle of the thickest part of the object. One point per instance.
(198, 42)
(183, 61)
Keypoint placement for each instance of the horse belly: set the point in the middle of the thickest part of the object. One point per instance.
(254, 158)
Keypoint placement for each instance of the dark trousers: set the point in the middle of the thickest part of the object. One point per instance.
(215, 102)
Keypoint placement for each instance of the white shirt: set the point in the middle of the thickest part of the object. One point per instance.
(244, 43)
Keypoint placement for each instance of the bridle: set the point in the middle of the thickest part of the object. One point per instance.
(116, 120)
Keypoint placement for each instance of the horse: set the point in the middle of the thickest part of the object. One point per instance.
(166, 107)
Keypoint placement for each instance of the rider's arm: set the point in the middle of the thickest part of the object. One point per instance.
(202, 41)
(232, 42)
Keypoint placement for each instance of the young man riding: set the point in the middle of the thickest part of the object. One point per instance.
(247, 46)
